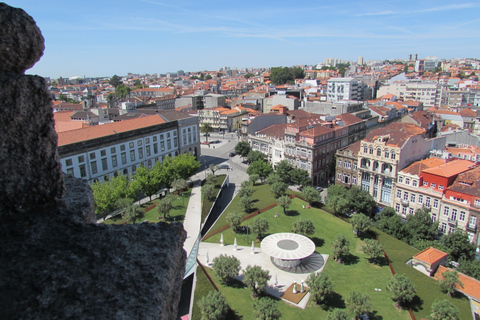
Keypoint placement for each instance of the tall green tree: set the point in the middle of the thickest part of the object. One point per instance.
(341, 247)
(421, 226)
(283, 169)
(246, 203)
(303, 227)
(284, 202)
(284, 75)
(206, 128)
(458, 244)
(337, 314)
(255, 155)
(242, 148)
(470, 268)
(444, 310)
(358, 303)
(105, 195)
(373, 249)
(300, 177)
(260, 227)
(164, 206)
(320, 286)
(184, 166)
(311, 195)
(245, 191)
(226, 267)
(253, 178)
(213, 168)
(360, 223)
(122, 91)
(132, 213)
(360, 201)
(213, 306)
(208, 191)
(402, 289)
(262, 168)
(450, 281)
(337, 198)
(273, 178)
(256, 279)
(278, 189)
(115, 81)
(145, 181)
(234, 220)
(266, 309)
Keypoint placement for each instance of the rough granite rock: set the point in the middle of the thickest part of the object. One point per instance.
(22, 41)
(30, 174)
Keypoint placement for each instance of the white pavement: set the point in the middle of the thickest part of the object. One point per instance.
(193, 216)
(284, 279)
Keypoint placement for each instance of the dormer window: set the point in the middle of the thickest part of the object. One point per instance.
(387, 153)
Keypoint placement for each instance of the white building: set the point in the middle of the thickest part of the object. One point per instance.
(343, 89)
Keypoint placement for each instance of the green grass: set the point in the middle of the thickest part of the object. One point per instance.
(180, 204)
(202, 288)
(207, 204)
(357, 274)
(428, 289)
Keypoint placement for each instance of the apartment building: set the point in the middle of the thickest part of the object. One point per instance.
(98, 152)
(222, 119)
(343, 89)
(426, 92)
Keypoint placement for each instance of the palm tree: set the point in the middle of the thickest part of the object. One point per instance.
(206, 128)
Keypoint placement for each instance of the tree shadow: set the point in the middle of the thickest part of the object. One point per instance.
(416, 304)
(318, 241)
(350, 259)
(333, 301)
(380, 261)
(235, 283)
(366, 235)
(292, 213)
(233, 314)
(375, 316)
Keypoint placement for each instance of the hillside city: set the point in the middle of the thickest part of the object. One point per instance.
(404, 131)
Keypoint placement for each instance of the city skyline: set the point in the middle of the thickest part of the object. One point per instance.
(104, 38)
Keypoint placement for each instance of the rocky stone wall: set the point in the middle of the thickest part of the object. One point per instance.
(55, 262)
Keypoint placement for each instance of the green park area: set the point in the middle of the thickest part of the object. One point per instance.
(356, 273)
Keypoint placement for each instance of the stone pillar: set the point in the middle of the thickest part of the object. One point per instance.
(30, 173)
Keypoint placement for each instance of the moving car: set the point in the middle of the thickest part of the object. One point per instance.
(231, 154)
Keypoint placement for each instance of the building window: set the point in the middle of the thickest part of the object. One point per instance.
(379, 152)
(370, 150)
(400, 179)
(155, 148)
(134, 169)
(132, 155)
(83, 172)
(148, 150)
(454, 214)
(412, 197)
(405, 195)
(68, 162)
(410, 211)
(473, 222)
(440, 187)
(70, 171)
(365, 149)
(81, 159)
(92, 156)
(415, 183)
(397, 207)
(427, 202)
(339, 163)
(104, 164)
(114, 161)
(122, 147)
(434, 217)
(404, 211)
(169, 144)
(139, 143)
(103, 153)
(443, 228)
(140, 153)
(175, 141)
(162, 146)
(124, 157)
(393, 154)
(435, 203)
(112, 150)
(93, 166)
(354, 180)
(462, 216)
(154, 138)
(433, 185)
(446, 211)
(451, 229)
(477, 202)
(399, 194)
(131, 145)
(420, 198)
(387, 154)
(339, 176)
(425, 183)
(147, 140)
(407, 181)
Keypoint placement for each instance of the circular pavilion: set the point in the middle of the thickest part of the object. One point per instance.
(287, 249)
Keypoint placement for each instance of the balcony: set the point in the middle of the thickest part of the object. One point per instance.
(472, 228)
(452, 223)
(405, 203)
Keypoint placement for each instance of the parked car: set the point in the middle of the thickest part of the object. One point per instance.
(231, 154)
(319, 189)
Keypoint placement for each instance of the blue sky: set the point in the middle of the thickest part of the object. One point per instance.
(107, 37)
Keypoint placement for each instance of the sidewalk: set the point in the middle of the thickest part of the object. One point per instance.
(193, 215)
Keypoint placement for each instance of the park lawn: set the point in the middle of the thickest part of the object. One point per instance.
(180, 204)
(202, 288)
(356, 274)
(207, 204)
(428, 289)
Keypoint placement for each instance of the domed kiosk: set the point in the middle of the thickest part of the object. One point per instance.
(287, 250)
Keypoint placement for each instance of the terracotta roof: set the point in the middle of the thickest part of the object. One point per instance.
(471, 286)
(74, 136)
(153, 89)
(63, 116)
(467, 183)
(316, 131)
(276, 131)
(468, 113)
(348, 118)
(430, 255)
(451, 168)
(398, 133)
(416, 168)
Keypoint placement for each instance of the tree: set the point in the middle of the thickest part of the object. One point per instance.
(450, 281)
(358, 303)
(303, 227)
(337, 198)
(62, 97)
(137, 84)
(179, 184)
(341, 247)
(208, 191)
(311, 195)
(122, 91)
(234, 220)
(320, 286)
(273, 178)
(262, 168)
(283, 169)
(260, 227)
(213, 306)
(256, 278)
(132, 213)
(421, 226)
(402, 289)
(253, 178)
(206, 128)
(284, 202)
(242, 148)
(115, 81)
(337, 314)
(248, 75)
(255, 155)
(226, 267)
(266, 309)
(182, 166)
(470, 268)
(360, 201)
(443, 310)
(360, 223)
(245, 191)
(300, 177)
(105, 195)
(458, 245)
(246, 203)
(373, 249)
(210, 178)
(278, 189)
(208, 77)
(283, 75)
(123, 203)
(164, 206)
(145, 181)
(213, 168)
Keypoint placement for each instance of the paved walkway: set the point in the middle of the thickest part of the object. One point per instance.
(193, 215)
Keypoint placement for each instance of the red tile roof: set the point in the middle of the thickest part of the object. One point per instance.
(451, 168)
(430, 255)
(471, 286)
(416, 168)
(74, 136)
(398, 133)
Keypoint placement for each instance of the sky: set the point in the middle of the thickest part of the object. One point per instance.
(106, 37)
